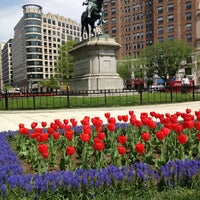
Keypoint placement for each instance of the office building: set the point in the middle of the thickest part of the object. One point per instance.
(1, 78)
(7, 70)
(37, 38)
(138, 23)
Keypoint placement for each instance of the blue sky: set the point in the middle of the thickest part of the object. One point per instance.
(11, 12)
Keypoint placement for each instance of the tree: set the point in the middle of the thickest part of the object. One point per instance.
(49, 84)
(64, 65)
(124, 70)
(166, 58)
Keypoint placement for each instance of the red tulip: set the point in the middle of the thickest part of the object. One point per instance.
(151, 124)
(198, 137)
(125, 118)
(44, 124)
(101, 136)
(111, 127)
(112, 120)
(131, 112)
(182, 138)
(140, 148)
(178, 128)
(50, 130)
(122, 139)
(73, 122)
(160, 135)
(42, 148)
(42, 137)
(138, 123)
(70, 150)
(53, 125)
(45, 154)
(197, 125)
(121, 150)
(146, 136)
(65, 121)
(67, 127)
(107, 115)
(34, 124)
(21, 125)
(188, 110)
(69, 135)
(98, 145)
(56, 135)
(119, 117)
(24, 131)
(166, 131)
(190, 124)
(85, 137)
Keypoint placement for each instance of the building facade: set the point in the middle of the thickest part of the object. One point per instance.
(1, 66)
(138, 23)
(37, 38)
(7, 70)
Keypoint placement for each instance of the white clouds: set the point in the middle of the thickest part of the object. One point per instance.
(10, 15)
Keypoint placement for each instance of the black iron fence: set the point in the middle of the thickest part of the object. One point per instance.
(100, 98)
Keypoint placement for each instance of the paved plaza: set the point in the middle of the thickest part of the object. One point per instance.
(9, 120)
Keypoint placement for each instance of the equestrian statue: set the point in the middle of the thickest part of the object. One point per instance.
(93, 13)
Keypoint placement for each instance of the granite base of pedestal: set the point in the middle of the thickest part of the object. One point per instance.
(95, 65)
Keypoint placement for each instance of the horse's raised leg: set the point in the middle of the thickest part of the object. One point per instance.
(87, 30)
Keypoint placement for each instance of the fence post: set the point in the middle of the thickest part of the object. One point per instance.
(33, 101)
(171, 89)
(140, 92)
(67, 96)
(6, 100)
(105, 100)
(193, 88)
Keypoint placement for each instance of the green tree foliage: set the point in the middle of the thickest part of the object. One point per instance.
(49, 84)
(166, 58)
(124, 70)
(64, 65)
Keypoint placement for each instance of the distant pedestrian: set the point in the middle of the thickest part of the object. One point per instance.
(185, 83)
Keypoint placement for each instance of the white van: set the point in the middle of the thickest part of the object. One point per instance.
(156, 88)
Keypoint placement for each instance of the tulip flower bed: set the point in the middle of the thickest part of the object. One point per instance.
(123, 155)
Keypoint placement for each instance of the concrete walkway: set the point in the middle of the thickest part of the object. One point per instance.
(9, 120)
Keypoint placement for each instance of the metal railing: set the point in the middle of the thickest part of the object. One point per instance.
(100, 98)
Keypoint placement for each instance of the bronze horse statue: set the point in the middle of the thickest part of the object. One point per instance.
(96, 14)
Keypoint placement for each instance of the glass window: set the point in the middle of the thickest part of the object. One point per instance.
(171, 37)
(33, 29)
(160, 20)
(170, 7)
(160, 10)
(113, 29)
(188, 5)
(113, 11)
(188, 27)
(170, 18)
(171, 28)
(160, 30)
(188, 16)
(160, 39)
(188, 37)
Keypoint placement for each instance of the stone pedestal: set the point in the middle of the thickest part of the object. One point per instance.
(95, 65)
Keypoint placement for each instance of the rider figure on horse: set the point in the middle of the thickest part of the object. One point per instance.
(93, 4)
(90, 4)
